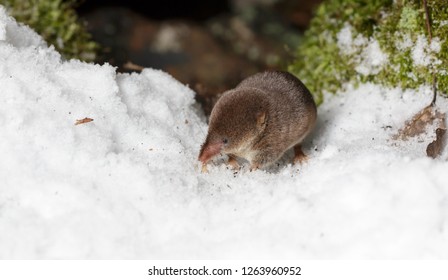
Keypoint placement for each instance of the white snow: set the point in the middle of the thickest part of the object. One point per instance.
(127, 185)
(443, 23)
(368, 58)
(403, 41)
(423, 53)
(373, 59)
(365, 53)
(347, 44)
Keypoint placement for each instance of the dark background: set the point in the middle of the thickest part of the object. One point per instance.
(197, 10)
(208, 45)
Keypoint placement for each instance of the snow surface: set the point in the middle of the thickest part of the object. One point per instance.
(128, 185)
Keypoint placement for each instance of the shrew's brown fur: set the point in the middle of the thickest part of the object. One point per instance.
(264, 116)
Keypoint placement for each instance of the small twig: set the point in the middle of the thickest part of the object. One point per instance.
(434, 89)
(132, 66)
(85, 120)
(434, 77)
(428, 25)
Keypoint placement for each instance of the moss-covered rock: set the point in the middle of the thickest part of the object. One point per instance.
(57, 22)
(380, 41)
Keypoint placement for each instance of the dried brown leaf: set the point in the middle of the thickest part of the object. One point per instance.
(419, 123)
(85, 120)
(132, 66)
(435, 148)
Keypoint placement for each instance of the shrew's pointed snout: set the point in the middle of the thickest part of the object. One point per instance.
(209, 150)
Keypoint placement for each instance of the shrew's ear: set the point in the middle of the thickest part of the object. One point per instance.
(261, 119)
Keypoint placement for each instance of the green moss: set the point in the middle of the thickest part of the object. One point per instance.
(397, 26)
(409, 19)
(57, 22)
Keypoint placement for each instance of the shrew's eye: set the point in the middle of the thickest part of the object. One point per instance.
(225, 140)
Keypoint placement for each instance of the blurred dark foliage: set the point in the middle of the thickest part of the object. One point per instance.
(209, 45)
(197, 10)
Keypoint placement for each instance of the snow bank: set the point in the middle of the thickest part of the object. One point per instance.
(127, 185)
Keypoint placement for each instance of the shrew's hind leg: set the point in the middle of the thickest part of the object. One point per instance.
(299, 156)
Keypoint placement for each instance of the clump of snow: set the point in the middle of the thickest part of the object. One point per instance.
(424, 53)
(347, 44)
(20, 37)
(365, 53)
(127, 185)
(372, 59)
(368, 58)
(443, 23)
(403, 42)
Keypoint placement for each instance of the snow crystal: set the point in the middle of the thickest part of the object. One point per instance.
(345, 39)
(366, 53)
(423, 54)
(347, 45)
(128, 185)
(372, 59)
